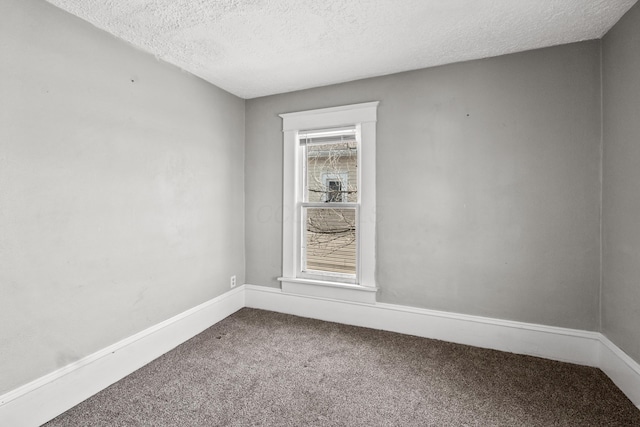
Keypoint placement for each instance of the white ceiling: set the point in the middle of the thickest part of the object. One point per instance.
(261, 47)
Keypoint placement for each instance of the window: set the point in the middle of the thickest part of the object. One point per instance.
(329, 242)
(329, 202)
(334, 190)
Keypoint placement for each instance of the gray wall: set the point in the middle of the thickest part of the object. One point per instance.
(121, 190)
(621, 189)
(487, 184)
(121, 182)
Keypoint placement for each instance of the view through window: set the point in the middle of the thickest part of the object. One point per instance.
(330, 200)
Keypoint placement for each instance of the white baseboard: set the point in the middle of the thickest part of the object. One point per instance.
(567, 345)
(562, 344)
(47, 397)
(52, 394)
(623, 370)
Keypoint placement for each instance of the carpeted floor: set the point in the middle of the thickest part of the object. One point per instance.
(258, 368)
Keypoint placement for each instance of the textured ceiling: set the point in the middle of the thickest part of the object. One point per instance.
(261, 47)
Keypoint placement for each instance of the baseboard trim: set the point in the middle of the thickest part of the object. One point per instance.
(562, 344)
(622, 369)
(567, 345)
(52, 394)
(47, 397)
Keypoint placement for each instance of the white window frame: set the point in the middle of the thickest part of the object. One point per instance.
(364, 117)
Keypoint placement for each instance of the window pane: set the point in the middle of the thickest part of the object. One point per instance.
(330, 240)
(334, 190)
(332, 174)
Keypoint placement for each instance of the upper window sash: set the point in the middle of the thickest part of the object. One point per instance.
(329, 158)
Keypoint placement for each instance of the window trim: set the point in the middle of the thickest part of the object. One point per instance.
(364, 116)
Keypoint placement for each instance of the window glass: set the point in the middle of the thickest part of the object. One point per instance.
(331, 165)
(334, 190)
(329, 240)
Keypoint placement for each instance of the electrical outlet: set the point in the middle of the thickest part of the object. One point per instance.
(233, 281)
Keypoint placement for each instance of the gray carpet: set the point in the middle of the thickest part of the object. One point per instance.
(258, 368)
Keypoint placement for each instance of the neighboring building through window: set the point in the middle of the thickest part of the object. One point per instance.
(329, 202)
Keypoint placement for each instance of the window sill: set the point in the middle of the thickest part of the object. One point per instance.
(331, 290)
